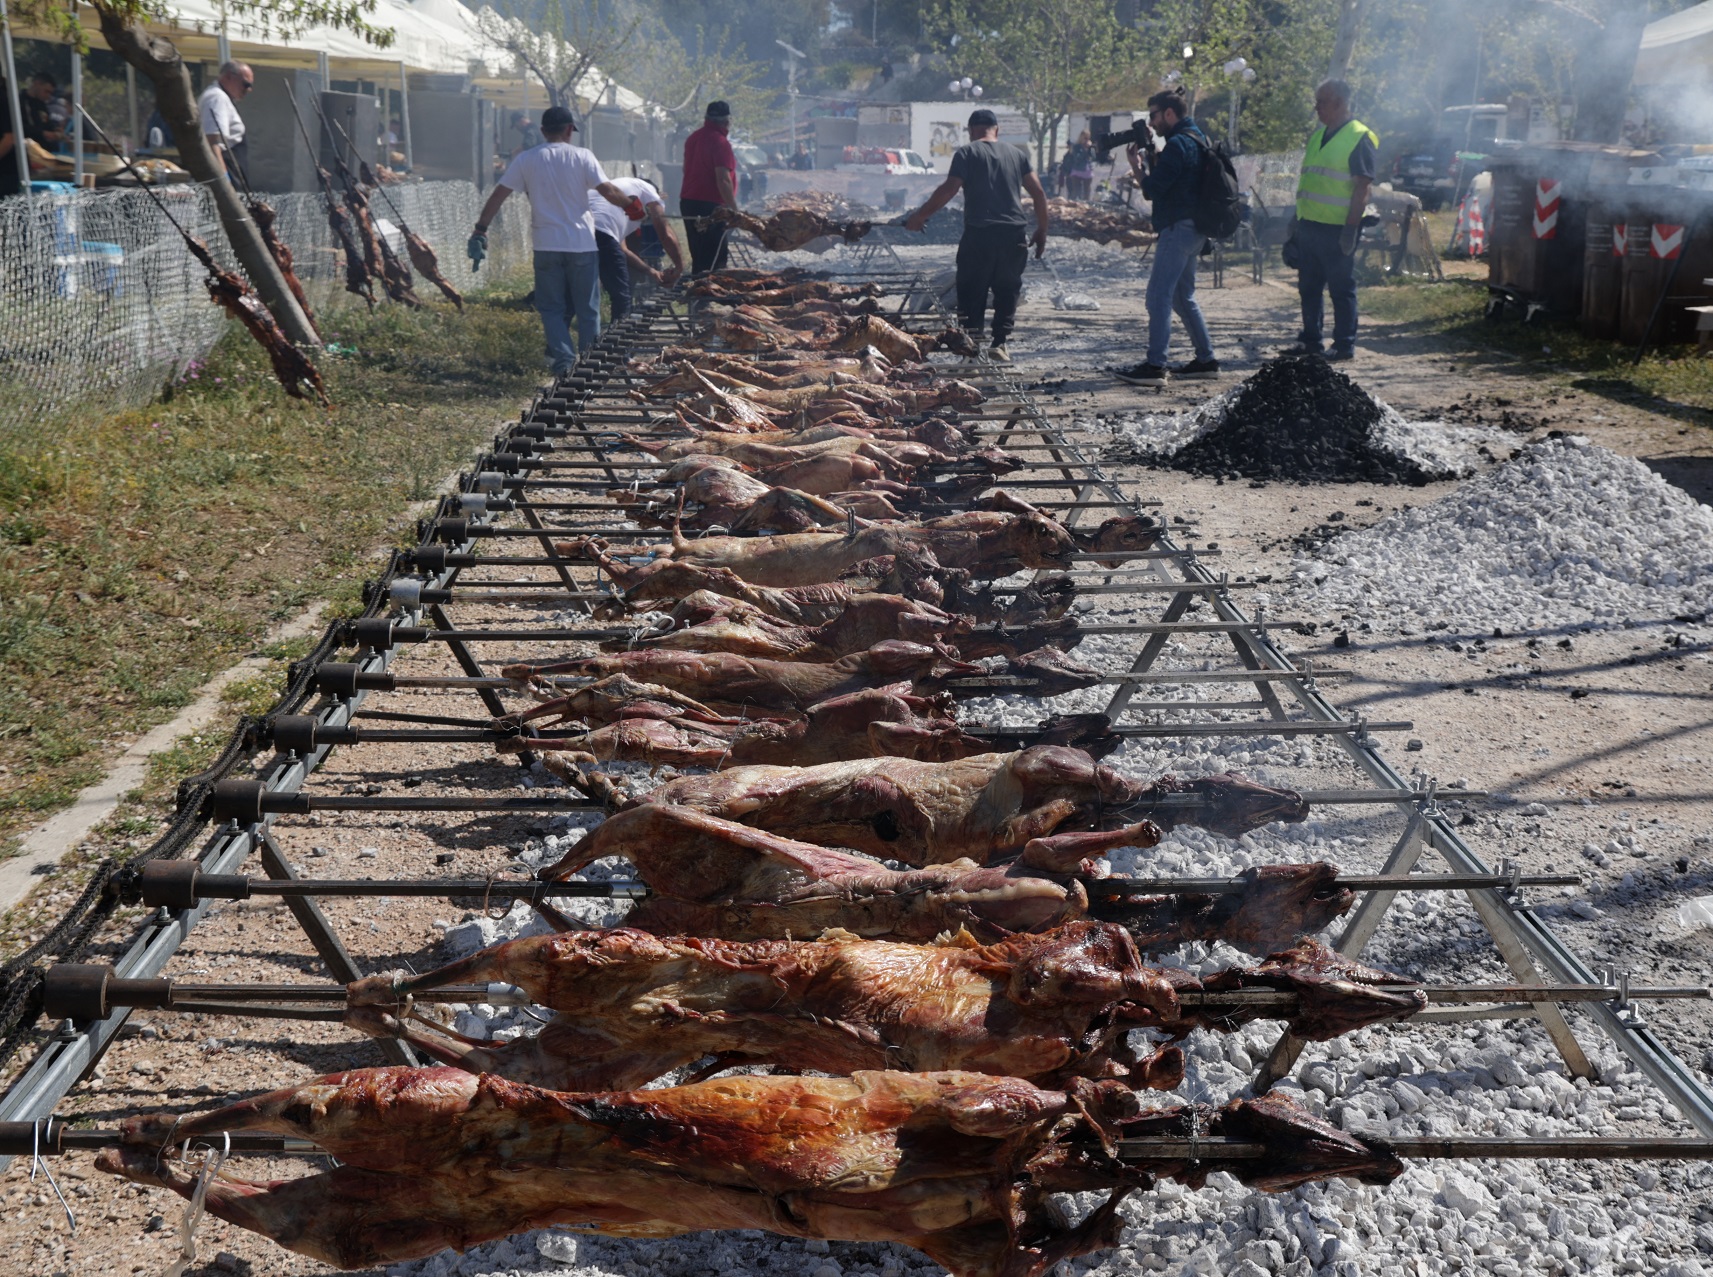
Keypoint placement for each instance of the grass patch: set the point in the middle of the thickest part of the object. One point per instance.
(1452, 315)
(143, 552)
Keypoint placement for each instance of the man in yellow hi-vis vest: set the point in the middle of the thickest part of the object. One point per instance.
(1338, 169)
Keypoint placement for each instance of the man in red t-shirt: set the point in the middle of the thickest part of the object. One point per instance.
(710, 182)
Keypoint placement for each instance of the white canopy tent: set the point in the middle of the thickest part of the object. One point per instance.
(1677, 49)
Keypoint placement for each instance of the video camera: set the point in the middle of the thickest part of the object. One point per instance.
(1106, 143)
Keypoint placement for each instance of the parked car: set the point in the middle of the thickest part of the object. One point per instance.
(868, 159)
(1437, 170)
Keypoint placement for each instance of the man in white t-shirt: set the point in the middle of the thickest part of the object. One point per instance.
(613, 227)
(559, 180)
(217, 109)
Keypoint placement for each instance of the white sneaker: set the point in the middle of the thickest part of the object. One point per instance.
(998, 353)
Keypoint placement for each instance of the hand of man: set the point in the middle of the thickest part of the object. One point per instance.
(671, 275)
(1133, 153)
(476, 249)
(915, 222)
(634, 210)
(1347, 238)
(1040, 241)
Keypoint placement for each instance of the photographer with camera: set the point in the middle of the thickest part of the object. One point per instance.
(992, 252)
(1332, 193)
(1171, 181)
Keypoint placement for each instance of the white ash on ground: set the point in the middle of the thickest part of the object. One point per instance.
(1566, 534)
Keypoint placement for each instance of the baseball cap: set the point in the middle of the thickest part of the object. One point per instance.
(718, 110)
(555, 118)
(983, 119)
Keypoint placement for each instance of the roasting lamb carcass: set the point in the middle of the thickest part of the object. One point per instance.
(632, 1006)
(712, 623)
(714, 877)
(722, 678)
(1009, 544)
(877, 722)
(957, 1165)
(790, 229)
(1053, 805)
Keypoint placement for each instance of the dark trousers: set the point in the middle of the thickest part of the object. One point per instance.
(707, 245)
(615, 274)
(1326, 267)
(990, 259)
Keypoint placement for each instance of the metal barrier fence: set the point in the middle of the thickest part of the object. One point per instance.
(101, 302)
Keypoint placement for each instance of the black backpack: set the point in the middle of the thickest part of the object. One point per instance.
(1219, 204)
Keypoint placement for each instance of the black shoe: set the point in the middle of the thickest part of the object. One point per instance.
(1197, 370)
(1142, 374)
(1340, 356)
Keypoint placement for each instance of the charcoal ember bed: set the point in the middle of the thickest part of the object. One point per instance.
(1298, 418)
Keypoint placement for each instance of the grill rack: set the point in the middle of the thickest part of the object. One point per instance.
(1177, 573)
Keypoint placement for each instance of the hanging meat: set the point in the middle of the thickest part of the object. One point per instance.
(632, 1006)
(291, 366)
(421, 254)
(1054, 805)
(726, 679)
(792, 228)
(957, 1165)
(263, 215)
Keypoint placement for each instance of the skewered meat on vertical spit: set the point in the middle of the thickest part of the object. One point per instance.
(233, 295)
(791, 228)
(264, 216)
(727, 679)
(958, 1165)
(421, 254)
(633, 1006)
(1054, 805)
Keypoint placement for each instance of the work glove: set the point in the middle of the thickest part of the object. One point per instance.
(634, 209)
(476, 249)
(1347, 239)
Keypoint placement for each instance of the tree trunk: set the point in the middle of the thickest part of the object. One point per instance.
(1605, 65)
(159, 60)
(1344, 44)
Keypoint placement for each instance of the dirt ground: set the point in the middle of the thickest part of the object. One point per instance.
(1605, 745)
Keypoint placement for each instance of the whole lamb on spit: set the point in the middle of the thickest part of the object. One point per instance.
(631, 1007)
(791, 228)
(713, 877)
(733, 682)
(986, 543)
(1051, 804)
(958, 1165)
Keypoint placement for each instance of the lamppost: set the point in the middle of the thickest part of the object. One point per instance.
(957, 88)
(1239, 72)
(791, 86)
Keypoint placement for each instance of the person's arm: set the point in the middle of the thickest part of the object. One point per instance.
(668, 241)
(941, 197)
(7, 142)
(1167, 168)
(491, 209)
(637, 263)
(1362, 162)
(727, 187)
(1038, 193)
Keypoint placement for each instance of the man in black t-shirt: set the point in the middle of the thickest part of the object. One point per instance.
(993, 250)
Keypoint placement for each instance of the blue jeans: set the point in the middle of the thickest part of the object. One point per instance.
(1172, 287)
(1325, 266)
(568, 284)
(615, 274)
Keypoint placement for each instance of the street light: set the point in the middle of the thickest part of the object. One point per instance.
(791, 85)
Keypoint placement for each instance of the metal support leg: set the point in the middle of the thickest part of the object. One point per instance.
(323, 937)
